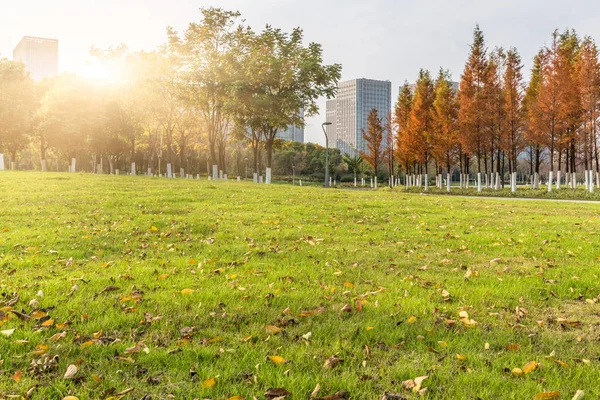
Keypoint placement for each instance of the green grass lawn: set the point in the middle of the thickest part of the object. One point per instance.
(158, 288)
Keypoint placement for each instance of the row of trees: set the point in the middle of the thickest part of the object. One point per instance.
(197, 101)
(495, 120)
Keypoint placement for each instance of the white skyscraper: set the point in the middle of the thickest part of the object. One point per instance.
(348, 113)
(40, 56)
(293, 133)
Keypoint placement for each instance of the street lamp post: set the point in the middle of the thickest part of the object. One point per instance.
(323, 125)
(246, 161)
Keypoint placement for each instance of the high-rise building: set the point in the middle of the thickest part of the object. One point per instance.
(348, 113)
(39, 55)
(293, 133)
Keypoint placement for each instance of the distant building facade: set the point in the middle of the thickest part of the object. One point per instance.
(349, 111)
(293, 133)
(40, 56)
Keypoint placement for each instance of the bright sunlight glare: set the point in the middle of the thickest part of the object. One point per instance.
(100, 72)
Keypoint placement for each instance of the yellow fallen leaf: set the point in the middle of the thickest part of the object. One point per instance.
(49, 322)
(443, 344)
(349, 285)
(37, 314)
(153, 228)
(369, 328)
(97, 335)
(17, 376)
(278, 359)
(236, 398)
(517, 371)
(562, 363)
(70, 398)
(207, 384)
(411, 320)
(40, 349)
(187, 291)
(460, 357)
(546, 395)
(86, 344)
(163, 276)
(272, 330)
(530, 367)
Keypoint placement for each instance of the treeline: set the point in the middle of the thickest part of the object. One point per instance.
(201, 102)
(495, 121)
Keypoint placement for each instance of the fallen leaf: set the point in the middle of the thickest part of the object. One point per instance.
(315, 392)
(274, 393)
(272, 329)
(332, 362)
(236, 398)
(546, 395)
(17, 376)
(562, 363)
(47, 323)
(513, 347)
(71, 371)
(278, 359)
(40, 349)
(70, 398)
(579, 395)
(207, 384)
(7, 332)
(530, 367)
(411, 320)
(187, 291)
(517, 371)
(460, 357)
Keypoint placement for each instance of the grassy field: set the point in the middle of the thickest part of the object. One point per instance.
(154, 288)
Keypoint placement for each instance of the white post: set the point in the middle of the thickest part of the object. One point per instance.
(587, 179)
(426, 182)
(574, 178)
(513, 182)
(116, 172)
(169, 171)
(73, 165)
(375, 182)
(479, 181)
(557, 180)
(133, 172)
(181, 173)
(239, 179)
(43, 164)
(268, 173)
(354, 181)
(215, 172)
(198, 176)
(591, 182)
(300, 182)
(467, 181)
(255, 177)
(448, 181)
(371, 182)
(220, 174)
(486, 181)
(260, 179)
(550, 181)
(461, 180)
(1, 162)
(99, 170)
(224, 176)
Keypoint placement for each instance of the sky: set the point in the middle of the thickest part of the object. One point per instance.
(376, 39)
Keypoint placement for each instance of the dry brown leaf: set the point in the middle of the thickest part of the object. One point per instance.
(272, 329)
(332, 362)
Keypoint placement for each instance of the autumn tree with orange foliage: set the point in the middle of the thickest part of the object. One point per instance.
(420, 125)
(402, 111)
(472, 114)
(588, 79)
(374, 138)
(513, 141)
(445, 114)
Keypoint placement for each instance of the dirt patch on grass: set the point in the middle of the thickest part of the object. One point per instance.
(579, 319)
